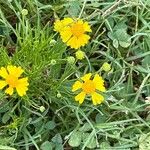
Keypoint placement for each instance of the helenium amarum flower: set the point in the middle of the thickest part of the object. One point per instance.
(89, 87)
(73, 32)
(11, 78)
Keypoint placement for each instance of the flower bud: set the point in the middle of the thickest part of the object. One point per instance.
(24, 12)
(53, 62)
(52, 42)
(58, 95)
(80, 54)
(106, 67)
(42, 109)
(70, 60)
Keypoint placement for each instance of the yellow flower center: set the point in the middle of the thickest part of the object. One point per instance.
(12, 81)
(88, 87)
(77, 29)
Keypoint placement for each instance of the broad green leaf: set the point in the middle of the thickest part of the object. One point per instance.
(50, 125)
(124, 44)
(111, 35)
(123, 38)
(100, 118)
(75, 139)
(74, 9)
(105, 145)
(120, 26)
(57, 138)
(92, 143)
(121, 35)
(109, 23)
(59, 147)
(85, 127)
(46, 146)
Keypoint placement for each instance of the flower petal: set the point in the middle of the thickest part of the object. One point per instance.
(87, 27)
(21, 90)
(77, 42)
(73, 42)
(67, 21)
(22, 86)
(16, 71)
(2, 84)
(77, 85)
(3, 72)
(80, 97)
(83, 39)
(61, 25)
(86, 77)
(19, 71)
(23, 82)
(58, 25)
(11, 69)
(66, 34)
(9, 90)
(99, 83)
(79, 21)
(97, 98)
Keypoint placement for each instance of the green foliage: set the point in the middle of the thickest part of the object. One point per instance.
(46, 146)
(75, 139)
(119, 36)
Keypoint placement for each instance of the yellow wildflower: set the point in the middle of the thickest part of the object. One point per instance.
(73, 32)
(80, 55)
(90, 87)
(106, 67)
(11, 75)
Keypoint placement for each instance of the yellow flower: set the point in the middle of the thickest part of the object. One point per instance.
(89, 87)
(80, 55)
(73, 32)
(11, 75)
(106, 67)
